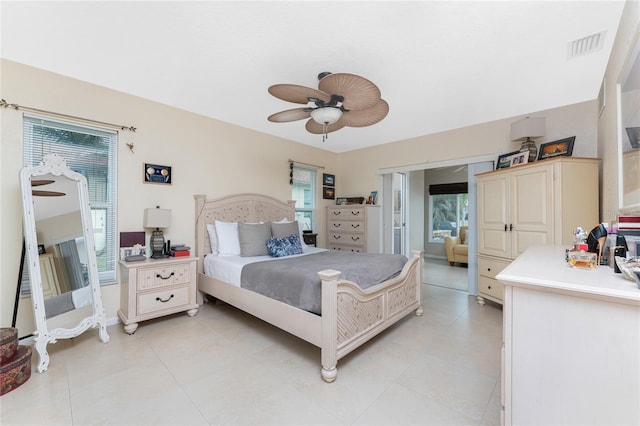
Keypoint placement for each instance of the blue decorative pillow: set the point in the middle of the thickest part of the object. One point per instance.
(284, 246)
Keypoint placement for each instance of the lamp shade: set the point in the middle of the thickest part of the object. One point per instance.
(157, 218)
(527, 128)
(326, 115)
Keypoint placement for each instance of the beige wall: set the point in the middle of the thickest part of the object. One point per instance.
(208, 156)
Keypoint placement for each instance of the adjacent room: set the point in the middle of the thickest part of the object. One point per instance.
(320, 212)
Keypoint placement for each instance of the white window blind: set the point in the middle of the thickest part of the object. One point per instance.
(92, 152)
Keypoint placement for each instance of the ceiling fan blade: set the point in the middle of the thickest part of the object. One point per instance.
(297, 94)
(41, 182)
(38, 193)
(359, 93)
(317, 129)
(290, 115)
(366, 117)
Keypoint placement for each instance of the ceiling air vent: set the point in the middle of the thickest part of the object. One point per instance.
(585, 45)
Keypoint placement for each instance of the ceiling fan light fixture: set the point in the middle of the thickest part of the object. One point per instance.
(326, 115)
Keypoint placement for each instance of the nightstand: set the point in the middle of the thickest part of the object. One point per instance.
(310, 239)
(156, 287)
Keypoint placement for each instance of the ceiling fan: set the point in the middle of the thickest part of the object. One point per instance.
(40, 193)
(341, 100)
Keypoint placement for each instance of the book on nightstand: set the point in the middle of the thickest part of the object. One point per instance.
(180, 253)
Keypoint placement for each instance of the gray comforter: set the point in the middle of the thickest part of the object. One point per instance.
(295, 281)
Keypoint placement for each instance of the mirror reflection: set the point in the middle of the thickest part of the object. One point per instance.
(630, 122)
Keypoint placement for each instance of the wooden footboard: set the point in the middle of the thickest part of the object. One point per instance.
(351, 316)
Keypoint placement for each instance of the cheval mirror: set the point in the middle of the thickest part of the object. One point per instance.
(60, 252)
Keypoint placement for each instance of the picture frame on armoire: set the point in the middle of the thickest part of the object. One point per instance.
(556, 148)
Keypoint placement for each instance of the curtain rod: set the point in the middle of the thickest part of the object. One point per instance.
(5, 104)
(305, 164)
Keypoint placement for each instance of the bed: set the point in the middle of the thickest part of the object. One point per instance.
(350, 315)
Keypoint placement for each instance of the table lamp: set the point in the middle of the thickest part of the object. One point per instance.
(157, 218)
(524, 130)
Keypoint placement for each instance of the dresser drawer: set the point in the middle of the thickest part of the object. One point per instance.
(345, 238)
(490, 267)
(339, 247)
(491, 287)
(346, 226)
(162, 299)
(346, 214)
(163, 276)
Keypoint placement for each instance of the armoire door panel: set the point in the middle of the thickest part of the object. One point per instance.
(495, 243)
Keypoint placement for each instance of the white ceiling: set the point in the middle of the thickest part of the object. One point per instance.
(440, 65)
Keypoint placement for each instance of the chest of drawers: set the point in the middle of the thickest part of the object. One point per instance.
(154, 288)
(354, 228)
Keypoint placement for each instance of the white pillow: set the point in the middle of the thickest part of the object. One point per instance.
(213, 239)
(302, 243)
(228, 241)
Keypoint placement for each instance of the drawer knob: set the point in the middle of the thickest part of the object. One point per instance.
(337, 225)
(336, 213)
(164, 301)
(489, 287)
(355, 225)
(165, 278)
(336, 237)
(355, 213)
(488, 269)
(355, 238)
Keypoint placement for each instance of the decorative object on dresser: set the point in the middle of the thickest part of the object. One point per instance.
(519, 159)
(556, 148)
(155, 288)
(539, 203)
(526, 129)
(354, 228)
(157, 218)
(504, 160)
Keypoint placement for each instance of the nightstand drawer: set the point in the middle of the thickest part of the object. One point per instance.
(164, 299)
(491, 287)
(163, 276)
(346, 226)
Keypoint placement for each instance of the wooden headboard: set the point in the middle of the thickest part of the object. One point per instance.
(236, 208)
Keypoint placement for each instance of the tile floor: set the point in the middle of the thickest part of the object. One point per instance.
(439, 272)
(226, 367)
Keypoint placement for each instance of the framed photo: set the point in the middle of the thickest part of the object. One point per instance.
(504, 160)
(519, 159)
(341, 201)
(155, 173)
(328, 193)
(556, 148)
(328, 180)
(41, 249)
(373, 198)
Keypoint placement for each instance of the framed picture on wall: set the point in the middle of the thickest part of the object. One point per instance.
(328, 180)
(155, 173)
(328, 193)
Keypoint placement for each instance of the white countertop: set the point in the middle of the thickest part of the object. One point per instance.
(545, 266)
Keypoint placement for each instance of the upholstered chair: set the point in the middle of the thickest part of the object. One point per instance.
(457, 248)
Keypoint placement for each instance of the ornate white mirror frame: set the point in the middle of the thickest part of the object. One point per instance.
(56, 166)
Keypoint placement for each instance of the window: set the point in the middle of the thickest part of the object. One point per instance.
(448, 210)
(91, 152)
(303, 191)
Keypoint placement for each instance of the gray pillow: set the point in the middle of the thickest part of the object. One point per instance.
(253, 238)
(280, 230)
